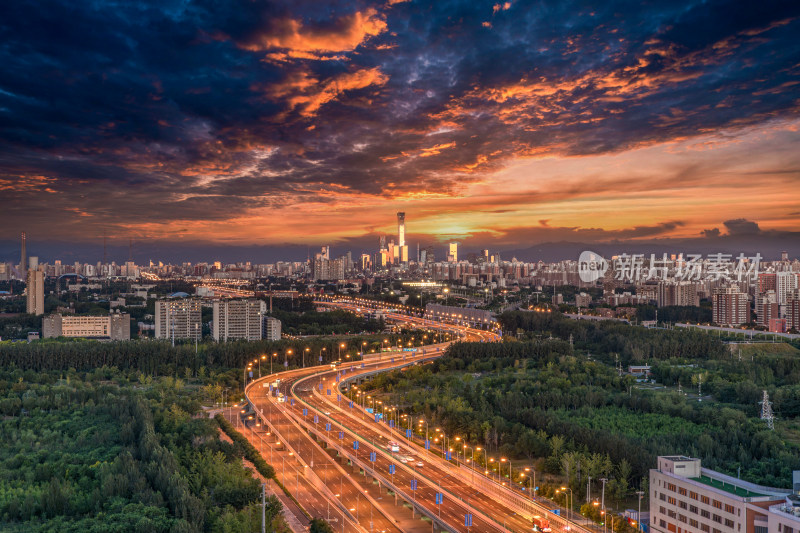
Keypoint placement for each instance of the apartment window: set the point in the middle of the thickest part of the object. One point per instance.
(704, 499)
(716, 504)
(682, 491)
(693, 495)
(729, 523)
(760, 529)
(671, 514)
(704, 527)
(693, 522)
(662, 497)
(716, 531)
(716, 518)
(671, 500)
(681, 518)
(682, 504)
(787, 529)
(704, 513)
(693, 509)
(671, 486)
(662, 510)
(729, 509)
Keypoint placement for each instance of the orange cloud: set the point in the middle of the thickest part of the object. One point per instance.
(434, 150)
(346, 34)
(311, 100)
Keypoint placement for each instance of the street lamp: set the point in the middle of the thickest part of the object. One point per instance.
(569, 508)
(274, 355)
(304, 355)
(342, 345)
(320, 354)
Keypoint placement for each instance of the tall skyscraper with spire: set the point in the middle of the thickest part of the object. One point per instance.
(402, 248)
(23, 263)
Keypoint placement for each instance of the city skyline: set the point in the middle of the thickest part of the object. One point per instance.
(283, 127)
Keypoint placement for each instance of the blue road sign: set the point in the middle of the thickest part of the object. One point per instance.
(413, 484)
(468, 520)
(427, 444)
(439, 498)
(391, 469)
(408, 433)
(355, 445)
(251, 373)
(316, 419)
(341, 435)
(329, 392)
(338, 397)
(447, 455)
(320, 387)
(351, 404)
(377, 417)
(328, 426)
(305, 411)
(373, 456)
(291, 402)
(391, 423)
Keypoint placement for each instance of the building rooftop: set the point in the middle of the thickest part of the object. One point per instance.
(728, 487)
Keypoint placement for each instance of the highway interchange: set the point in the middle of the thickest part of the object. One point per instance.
(341, 466)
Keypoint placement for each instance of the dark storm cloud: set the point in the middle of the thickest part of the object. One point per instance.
(183, 110)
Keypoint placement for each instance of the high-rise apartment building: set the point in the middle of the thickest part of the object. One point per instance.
(683, 293)
(178, 318)
(271, 328)
(785, 282)
(238, 319)
(793, 310)
(114, 326)
(686, 498)
(767, 308)
(35, 292)
(730, 306)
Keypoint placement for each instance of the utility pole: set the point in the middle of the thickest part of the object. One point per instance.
(603, 494)
(639, 515)
(264, 508)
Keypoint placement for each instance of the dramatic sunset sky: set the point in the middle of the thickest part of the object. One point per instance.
(205, 124)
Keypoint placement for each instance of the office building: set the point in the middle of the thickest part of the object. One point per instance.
(23, 262)
(114, 326)
(271, 328)
(730, 306)
(452, 253)
(238, 319)
(178, 318)
(35, 292)
(686, 498)
(401, 229)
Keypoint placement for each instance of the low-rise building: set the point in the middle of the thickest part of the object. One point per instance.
(114, 326)
(686, 498)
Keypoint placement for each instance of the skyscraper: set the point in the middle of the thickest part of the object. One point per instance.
(452, 255)
(401, 229)
(35, 292)
(23, 263)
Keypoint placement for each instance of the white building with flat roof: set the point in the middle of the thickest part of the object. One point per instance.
(238, 319)
(178, 318)
(687, 498)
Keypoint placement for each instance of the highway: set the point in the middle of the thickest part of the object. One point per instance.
(317, 407)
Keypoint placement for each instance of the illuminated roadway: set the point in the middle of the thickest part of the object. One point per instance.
(316, 391)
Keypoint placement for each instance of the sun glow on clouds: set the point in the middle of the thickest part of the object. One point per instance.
(646, 186)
